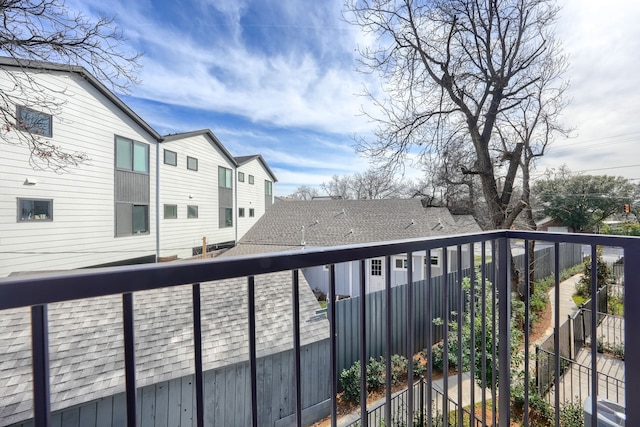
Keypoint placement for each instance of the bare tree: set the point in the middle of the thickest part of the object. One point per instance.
(339, 187)
(375, 184)
(452, 68)
(46, 30)
(304, 192)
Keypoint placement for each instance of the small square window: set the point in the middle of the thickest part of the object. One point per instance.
(401, 263)
(192, 211)
(170, 158)
(35, 210)
(192, 163)
(241, 212)
(252, 212)
(240, 176)
(170, 211)
(251, 179)
(34, 121)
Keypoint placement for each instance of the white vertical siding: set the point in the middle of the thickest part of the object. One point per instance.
(182, 187)
(83, 227)
(252, 196)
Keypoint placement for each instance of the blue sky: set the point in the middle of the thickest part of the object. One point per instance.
(277, 77)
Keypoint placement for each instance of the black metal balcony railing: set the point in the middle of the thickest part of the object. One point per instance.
(40, 291)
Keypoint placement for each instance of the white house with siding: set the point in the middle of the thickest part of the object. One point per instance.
(197, 194)
(101, 212)
(295, 225)
(254, 191)
(104, 211)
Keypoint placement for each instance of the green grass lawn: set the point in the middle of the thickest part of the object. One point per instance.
(579, 299)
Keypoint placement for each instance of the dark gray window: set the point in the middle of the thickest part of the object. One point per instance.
(251, 179)
(34, 121)
(140, 219)
(268, 188)
(224, 177)
(241, 212)
(131, 219)
(226, 217)
(401, 263)
(192, 163)
(170, 158)
(132, 155)
(252, 212)
(192, 211)
(170, 211)
(240, 176)
(35, 210)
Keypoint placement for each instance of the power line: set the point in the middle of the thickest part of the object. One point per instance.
(609, 168)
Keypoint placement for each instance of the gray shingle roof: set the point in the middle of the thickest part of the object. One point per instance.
(86, 349)
(340, 222)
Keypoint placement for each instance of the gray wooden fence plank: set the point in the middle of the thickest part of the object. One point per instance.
(119, 410)
(229, 413)
(71, 418)
(174, 402)
(88, 415)
(265, 411)
(162, 404)
(148, 406)
(187, 399)
(219, 396)
(104, 412)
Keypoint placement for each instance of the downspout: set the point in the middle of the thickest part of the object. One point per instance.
(157, 200)
(235, 206)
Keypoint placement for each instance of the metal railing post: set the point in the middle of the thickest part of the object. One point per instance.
(40, 364)
(504, 319)
(631, 338)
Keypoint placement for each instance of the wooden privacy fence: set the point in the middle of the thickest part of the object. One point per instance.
(348, 310)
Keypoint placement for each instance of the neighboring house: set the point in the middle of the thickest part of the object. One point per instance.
(197, 194)
(551, 225)
(138, 197)
(87, 356)
(254, 191)
(100, 213)
(294, 225)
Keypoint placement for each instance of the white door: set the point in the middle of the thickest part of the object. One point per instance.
(376, 275)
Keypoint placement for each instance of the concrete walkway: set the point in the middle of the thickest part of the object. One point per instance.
(567, 306)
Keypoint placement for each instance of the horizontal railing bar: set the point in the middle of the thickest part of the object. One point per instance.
(39, 289)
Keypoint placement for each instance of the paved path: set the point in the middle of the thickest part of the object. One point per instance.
(567, 306)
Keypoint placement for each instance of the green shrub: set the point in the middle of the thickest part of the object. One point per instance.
(399, 365)
(571, 415)
(375, 374)
(350, 382)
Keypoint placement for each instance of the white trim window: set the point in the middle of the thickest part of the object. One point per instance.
(170, 158)
(192, 211)
(30, 210)
(435, 259)
(400, 263)
(376, 267)
(170, 211)
(192, 163)
(35, 122)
